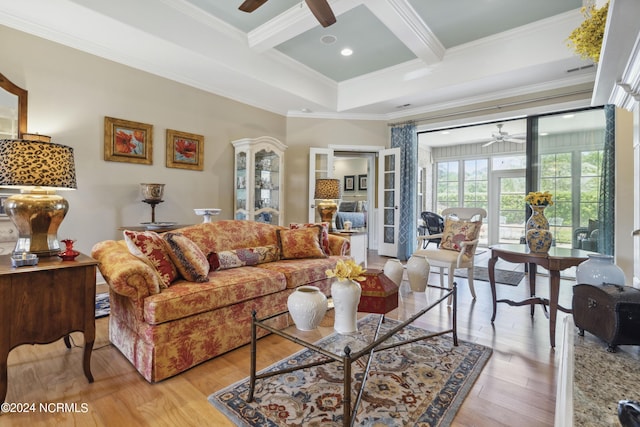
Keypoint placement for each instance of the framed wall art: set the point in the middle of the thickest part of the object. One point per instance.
(127, 141)
(362, 182)
(185, 150)
(349, 183)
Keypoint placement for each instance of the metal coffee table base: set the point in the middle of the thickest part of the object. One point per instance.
(377, 344)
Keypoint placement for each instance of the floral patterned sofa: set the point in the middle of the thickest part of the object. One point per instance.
(183, 297)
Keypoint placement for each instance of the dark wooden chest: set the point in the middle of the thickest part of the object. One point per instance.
(610, 312)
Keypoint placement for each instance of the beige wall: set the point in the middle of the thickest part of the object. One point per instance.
(304, 133)
(624, 201)
(70, 92)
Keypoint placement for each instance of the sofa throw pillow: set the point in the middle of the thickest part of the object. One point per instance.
(324, 242)
(300, 243)
(191, 263)
(244, 256)
(457, 231)
(151, 248)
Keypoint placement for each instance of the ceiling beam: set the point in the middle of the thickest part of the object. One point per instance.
(405, 23)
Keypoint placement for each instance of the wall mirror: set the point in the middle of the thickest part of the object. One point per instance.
(13, 110)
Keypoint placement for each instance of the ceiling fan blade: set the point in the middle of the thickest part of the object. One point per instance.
(517, 141)
(322, 11)
(251, 5)
(489, 143)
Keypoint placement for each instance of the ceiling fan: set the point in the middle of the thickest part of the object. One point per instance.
(320, 9)
(501, 136)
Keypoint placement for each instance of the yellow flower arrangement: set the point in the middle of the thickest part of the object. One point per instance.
(346, 270)
(538, 198)
(586, 40)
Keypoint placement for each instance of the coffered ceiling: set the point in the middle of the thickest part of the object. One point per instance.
(409, 56)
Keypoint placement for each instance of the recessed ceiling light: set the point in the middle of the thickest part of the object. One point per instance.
(328, 39)
(346, 52)
(445, 132)
(544, 133)
(568, 116)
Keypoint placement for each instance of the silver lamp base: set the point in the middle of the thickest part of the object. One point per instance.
(37, 216)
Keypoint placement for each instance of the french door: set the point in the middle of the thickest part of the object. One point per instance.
(320, 166)
(507, 192)
(389, 201)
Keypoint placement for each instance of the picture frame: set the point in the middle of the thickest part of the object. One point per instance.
(362, 182)
(127, 141)
(184, 150)
(349, 182)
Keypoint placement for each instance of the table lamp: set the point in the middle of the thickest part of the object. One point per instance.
(327, 191)
(38, 168)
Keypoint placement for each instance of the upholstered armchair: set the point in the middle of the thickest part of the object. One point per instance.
(459, 240)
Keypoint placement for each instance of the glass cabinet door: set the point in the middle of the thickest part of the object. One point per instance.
(259, 165)
(241, 186)
(267, 186)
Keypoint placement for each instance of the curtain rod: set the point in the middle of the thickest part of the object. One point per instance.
(494, 107)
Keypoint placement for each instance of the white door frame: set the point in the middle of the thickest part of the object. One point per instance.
(315, 173)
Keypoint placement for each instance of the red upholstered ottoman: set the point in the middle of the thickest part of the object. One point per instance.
(379, 293)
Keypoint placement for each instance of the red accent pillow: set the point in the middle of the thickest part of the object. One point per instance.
(300, 243)
(457, 231)
(325, 234)
(244, 256)
(151, 248)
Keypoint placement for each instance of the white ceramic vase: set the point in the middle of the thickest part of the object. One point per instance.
(418, 269)
(394, 270)
(346, 297)
(599, 269)
(307, 306)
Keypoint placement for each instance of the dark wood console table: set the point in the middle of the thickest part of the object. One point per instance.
(43, 303)
(556, 260)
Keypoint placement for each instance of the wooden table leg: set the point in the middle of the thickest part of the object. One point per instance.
(492, 282)
(3, 375)
(86, 361)
(554, 289)
(533, 269)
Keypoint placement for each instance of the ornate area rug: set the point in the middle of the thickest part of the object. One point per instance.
(422, 384)
(505, 277)
(102, 305)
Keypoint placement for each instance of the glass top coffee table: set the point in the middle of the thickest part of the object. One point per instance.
(346, 349)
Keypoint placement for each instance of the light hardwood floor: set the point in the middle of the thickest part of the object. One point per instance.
(516, 387)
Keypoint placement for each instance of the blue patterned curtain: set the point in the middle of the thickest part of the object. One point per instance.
(405, 137)
(606, 206)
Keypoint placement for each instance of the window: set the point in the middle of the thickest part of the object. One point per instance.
(447, 181)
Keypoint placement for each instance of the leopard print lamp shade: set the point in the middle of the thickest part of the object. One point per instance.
(38, 169)
(26, 164)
